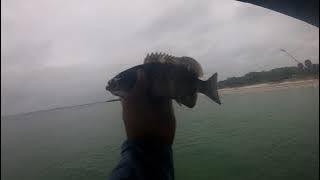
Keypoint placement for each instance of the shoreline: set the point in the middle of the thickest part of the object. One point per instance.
(271, 86)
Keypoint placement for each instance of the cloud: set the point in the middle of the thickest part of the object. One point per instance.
(59, 53)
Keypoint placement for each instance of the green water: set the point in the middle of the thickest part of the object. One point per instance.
(257, 135)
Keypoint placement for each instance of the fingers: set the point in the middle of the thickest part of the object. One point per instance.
(138, 91)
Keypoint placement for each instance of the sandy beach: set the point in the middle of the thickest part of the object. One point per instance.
(271, 86)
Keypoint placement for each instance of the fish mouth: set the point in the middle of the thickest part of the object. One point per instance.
(108, 88)
(117, 93)
(114, 91)
(110, 85)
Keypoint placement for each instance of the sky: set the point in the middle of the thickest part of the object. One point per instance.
(60, 53)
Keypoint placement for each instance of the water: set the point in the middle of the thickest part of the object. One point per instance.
(257, 135)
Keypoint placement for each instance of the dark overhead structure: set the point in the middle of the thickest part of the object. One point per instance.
(305, 10)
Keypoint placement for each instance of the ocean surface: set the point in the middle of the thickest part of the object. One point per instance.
(271, 135)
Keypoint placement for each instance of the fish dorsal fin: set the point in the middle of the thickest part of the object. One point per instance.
(191, 64)
(159, 58)
(189, 101)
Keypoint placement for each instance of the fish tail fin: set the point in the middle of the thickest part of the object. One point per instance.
(210, 88)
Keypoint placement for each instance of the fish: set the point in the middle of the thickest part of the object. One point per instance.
(167, 76)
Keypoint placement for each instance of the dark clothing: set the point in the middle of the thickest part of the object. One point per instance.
(144, 160)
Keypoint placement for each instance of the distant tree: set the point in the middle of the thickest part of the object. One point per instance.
(308, 65)
(300, 66)
(274, 75)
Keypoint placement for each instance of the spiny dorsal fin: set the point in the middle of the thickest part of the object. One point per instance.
(187, 62)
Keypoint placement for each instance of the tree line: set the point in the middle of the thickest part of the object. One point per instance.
(275, 75)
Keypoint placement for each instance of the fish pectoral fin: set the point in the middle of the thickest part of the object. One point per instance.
(189, 101)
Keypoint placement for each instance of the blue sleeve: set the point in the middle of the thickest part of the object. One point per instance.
(144, 160)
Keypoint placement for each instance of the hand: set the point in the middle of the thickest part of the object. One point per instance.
(145, 117)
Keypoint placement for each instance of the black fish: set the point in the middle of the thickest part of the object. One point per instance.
(167, 76)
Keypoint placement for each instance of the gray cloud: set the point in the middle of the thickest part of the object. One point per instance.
(58, 53)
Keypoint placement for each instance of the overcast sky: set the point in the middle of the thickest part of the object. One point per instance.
(59, 53)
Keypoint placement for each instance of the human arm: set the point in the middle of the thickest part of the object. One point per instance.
(150, 129)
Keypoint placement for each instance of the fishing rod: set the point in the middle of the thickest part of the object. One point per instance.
(112, 100)
(65, 107)
(283, 50)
